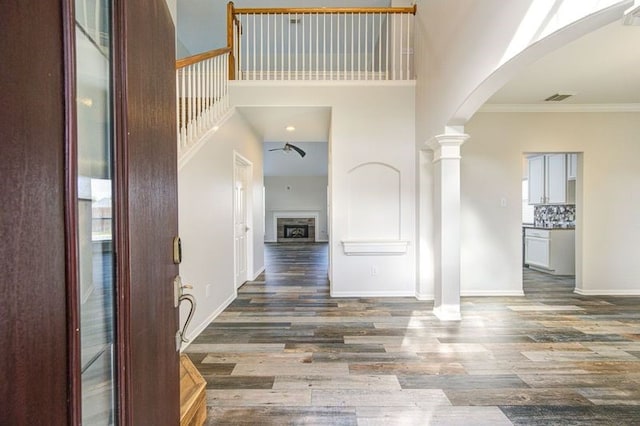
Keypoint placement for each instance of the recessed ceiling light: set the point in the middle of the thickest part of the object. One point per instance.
(290, 128)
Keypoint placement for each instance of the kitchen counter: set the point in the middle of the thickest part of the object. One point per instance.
(547, 228)
(550, 250)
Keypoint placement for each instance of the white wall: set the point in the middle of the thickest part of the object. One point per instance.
(205, 207)
(463, 45)
(465, 50)
(296, 193)
(370, 123)
(608, 228)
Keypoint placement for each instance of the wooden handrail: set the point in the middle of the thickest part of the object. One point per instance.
(312, 10)
(189, 60)
(231, 17)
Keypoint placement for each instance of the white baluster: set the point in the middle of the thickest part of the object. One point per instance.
(387, 46)
(183, 108)
(254, 68)
(331, 73)
(366, 47)
(225, 81)
(400, 55)
(353, 28)
(324, 45)
(96, 23)
(379, 68)
(393, 47)
(359, 51)
(248, 47)
(218, 90)
(178, 106)
(289, 48)
(409, 21)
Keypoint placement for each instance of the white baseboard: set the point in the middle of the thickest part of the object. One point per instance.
(372, 294)
(607, 292)
(494, 293)
(197, 330)
(257, 274)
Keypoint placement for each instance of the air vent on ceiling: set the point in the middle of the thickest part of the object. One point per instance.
(558, 97)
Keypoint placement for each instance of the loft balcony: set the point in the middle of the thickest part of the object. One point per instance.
(322, 43)
(292, 44)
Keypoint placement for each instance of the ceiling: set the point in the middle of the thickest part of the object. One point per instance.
(602, 67)
(311, 134)
(311, 123)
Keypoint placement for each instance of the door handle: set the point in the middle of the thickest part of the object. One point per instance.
(179, 297)
(192, 309)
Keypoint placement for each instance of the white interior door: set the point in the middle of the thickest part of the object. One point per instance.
(241, 227)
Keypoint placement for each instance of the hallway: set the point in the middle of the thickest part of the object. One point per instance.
(284, 352)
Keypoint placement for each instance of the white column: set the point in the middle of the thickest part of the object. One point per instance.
(446, 221)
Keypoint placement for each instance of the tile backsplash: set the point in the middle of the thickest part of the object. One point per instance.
(555, 216)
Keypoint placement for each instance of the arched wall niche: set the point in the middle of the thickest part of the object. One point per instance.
(374, 202)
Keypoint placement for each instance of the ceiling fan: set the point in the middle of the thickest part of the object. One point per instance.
(288, 148)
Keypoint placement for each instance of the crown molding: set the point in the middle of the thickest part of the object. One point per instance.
(560, 108)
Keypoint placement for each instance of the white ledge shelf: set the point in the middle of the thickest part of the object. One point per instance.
(374, 247)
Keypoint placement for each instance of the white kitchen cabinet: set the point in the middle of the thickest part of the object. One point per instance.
(572, 166)
(547, 179)
(550, 250)
(556, 178)
(536, 179)
(536, 251)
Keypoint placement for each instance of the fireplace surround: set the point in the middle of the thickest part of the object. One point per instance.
(296, 229)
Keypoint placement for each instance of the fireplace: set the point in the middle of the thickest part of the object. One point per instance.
(296, 231)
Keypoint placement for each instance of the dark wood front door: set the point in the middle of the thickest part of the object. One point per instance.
(33, 311)
(151, 155)
(40, 296)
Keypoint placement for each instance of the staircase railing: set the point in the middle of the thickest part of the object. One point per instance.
(321, 43)
(202, 94)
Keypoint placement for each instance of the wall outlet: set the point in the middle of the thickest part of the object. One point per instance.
(374, 271)
(207, 291)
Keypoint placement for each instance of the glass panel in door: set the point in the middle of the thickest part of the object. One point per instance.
(95, 210)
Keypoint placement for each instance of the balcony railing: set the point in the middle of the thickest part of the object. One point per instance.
(321, 43)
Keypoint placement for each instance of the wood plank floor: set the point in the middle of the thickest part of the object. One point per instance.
(284, 352)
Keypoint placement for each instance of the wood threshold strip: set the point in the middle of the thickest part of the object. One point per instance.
(308, 10)
(190, 60)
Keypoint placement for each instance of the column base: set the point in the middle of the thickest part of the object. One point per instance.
(447, 313)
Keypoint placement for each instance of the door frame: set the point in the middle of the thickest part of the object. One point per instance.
(239, 161)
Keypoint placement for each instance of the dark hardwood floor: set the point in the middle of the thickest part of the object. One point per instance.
(284, 352)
